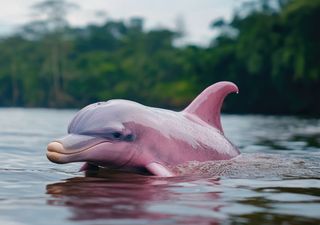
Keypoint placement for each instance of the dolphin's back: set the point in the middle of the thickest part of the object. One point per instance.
(191, 136)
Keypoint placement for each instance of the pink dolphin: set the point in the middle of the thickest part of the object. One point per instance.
(130, 136)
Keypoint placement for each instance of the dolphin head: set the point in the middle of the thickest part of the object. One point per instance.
(101, 134)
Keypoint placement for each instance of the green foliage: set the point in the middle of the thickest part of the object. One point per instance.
(272, 52)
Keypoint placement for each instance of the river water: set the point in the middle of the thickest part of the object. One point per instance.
(276, 180)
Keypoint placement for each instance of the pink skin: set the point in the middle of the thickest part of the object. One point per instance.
(127, 135)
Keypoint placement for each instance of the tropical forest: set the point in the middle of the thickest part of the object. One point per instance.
(270, 49)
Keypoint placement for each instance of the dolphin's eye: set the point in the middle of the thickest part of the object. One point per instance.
(116, 135)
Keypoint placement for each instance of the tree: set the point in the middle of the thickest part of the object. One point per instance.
(52, 25)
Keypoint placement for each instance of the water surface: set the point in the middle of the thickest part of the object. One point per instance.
(275, 180)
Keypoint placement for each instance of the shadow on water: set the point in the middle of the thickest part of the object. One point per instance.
(311, 140)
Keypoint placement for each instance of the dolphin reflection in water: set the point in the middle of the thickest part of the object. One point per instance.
(126, 135)
(113, 197)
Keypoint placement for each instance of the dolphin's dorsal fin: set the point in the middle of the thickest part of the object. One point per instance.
(207, 105)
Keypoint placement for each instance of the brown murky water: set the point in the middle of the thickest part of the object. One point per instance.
(275, 181)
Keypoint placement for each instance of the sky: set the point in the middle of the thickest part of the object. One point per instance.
(194, 15)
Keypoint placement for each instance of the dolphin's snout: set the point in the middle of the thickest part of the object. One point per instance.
(55, 147)
(54, 150)
(72, 148)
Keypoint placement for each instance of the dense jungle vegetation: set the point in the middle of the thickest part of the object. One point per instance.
(270, 50)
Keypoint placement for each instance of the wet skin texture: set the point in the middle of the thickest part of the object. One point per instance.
(126, 135)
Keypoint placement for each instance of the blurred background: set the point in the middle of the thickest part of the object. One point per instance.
(67, 54)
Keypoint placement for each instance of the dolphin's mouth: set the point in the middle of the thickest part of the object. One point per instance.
(57, 147)
(94, 150)
(58, 154)
(72, 148)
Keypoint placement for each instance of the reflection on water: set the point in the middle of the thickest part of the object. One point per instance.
(275, 181)
(136, 198)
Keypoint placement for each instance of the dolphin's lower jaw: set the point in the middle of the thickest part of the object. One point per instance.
(99, 155)
(58, 154)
